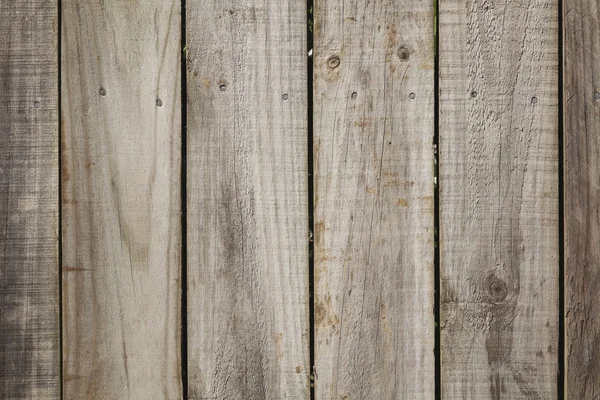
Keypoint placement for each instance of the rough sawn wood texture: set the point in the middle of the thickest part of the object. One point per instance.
(374, 206)
(121, 200)
(499, 179)
(247, 226)
(29, 200)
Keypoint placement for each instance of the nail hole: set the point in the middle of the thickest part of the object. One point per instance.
(285, 96)
(412, 96)
(333, 62)
(159, 102)
(102, 92)
(354, 95)
(223, 88)
(534, 100)
(473, 94)
(403, 53)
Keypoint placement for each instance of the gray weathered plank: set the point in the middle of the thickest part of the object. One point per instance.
(582, 197)
(247, 200)
(29, 294)
(374, 211)
(121, 155)
(499, 249)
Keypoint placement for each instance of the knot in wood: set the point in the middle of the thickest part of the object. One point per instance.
(498, 290)
(333, 62)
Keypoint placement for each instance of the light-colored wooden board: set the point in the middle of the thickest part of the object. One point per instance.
(582, 197)
(499, 247)
(374, 205)
(29, 286)
(247, 226)
(121, 200)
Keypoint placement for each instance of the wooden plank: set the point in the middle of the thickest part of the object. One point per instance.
(121, 168)
(29, 294)
(247, 200)
(499, 249)
(374, 208)
(582, 197)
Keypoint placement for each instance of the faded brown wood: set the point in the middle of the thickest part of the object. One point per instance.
(582, 197)
(121, 156)
(247, 200)
(29, 294)
(374, 211)
(499, 249)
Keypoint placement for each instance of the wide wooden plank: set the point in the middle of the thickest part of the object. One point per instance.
(121, 168)
(499, 249)
(29, 293)
(374, 207)
(582, 197)
(247, 200)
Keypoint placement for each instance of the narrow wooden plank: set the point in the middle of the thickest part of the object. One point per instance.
(29, 294)
(247, 200)
(121, 163)
(374, 210)
(499, 249)
(582, 197)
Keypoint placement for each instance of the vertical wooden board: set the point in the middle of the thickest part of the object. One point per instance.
(499, 249)
(247, 200)
(582, 197)
(374, 208)
(29, 294)
(121, 156)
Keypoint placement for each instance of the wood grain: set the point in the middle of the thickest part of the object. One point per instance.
(582, 197)
(499, 249)
(374, 209)
(29, 294)
(121, 168)
(247, 200)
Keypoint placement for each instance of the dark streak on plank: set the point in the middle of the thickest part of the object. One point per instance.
(29, 297)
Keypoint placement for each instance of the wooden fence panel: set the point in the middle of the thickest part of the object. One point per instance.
(499, 196)
(374, 205)
(121, 156)
(29, 291)
(247, 230)
(582, 197)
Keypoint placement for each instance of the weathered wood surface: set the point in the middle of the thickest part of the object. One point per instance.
(374, 208)
(29, 294)
(247, 196)
(121, 156)
(499, 199)
(582, 197)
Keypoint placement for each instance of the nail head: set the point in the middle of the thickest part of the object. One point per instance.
(597, 95)
(159, 102)
(37, 104)
(223, 87)
(403, 53)
(534, 100)
(102, 92)
(473, 94)
(354, 95)
(285, 96)
(412, 96)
